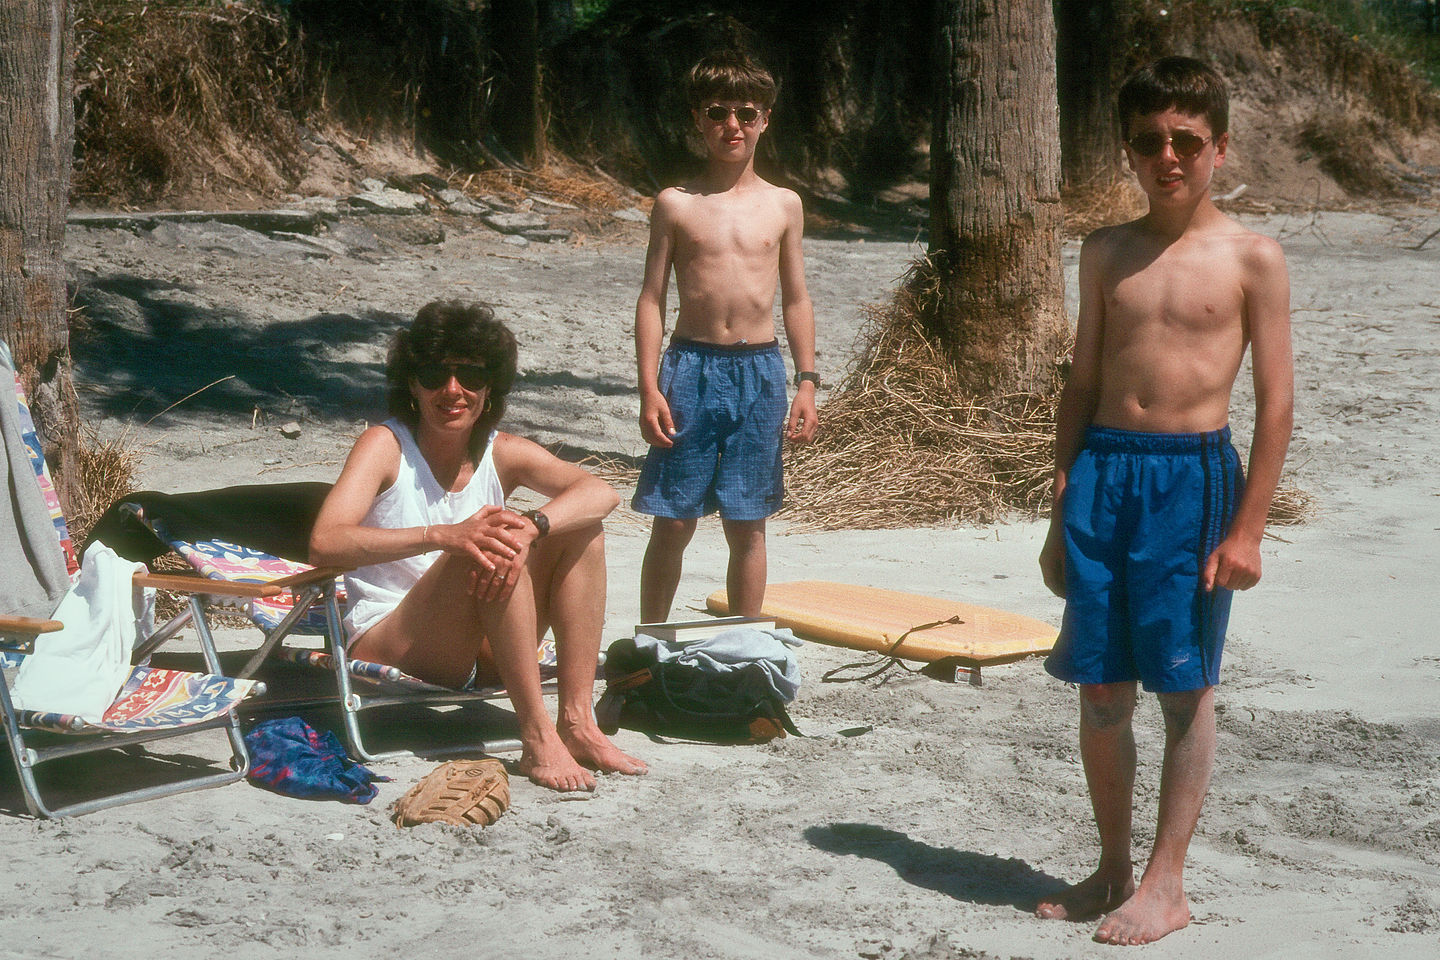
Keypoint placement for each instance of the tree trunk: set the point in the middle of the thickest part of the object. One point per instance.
(515, 115)
(36, 134)
(995, 195)
(1087, 60)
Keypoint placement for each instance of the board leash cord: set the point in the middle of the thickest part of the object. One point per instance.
(885, 661)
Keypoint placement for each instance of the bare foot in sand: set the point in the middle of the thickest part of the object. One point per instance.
(550, 765)
(1089, 898)
(593, 749)
(1146, 917)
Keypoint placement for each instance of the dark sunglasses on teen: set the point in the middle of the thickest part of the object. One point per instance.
(718, 114)
(433, 376)
(1185, 145)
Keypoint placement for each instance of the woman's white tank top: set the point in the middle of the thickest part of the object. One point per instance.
(415, 499)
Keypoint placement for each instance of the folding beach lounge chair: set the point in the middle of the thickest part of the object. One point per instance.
(40, 570)
(308, 607)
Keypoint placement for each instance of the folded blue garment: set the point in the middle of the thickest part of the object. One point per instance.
(292, 758)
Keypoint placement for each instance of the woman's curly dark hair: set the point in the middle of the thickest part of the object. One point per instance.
(452, 330)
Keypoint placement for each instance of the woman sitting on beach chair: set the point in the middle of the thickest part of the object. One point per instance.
(449, 585)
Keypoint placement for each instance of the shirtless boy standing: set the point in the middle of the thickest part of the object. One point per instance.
(1154, 523)
(714, 410)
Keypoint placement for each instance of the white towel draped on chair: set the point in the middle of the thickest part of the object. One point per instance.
(80, 669)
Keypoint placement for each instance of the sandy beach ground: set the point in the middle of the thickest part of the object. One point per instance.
(915, 819)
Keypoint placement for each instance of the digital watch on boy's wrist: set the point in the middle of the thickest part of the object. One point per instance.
(542, 522)
(802, 375)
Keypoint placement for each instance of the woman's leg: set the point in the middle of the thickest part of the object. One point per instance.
(439, 631)
(434, 633)
(568, 574)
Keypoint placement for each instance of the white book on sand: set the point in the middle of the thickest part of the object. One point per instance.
(686, 631)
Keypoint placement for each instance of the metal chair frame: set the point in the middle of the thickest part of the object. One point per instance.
(317, 587)
(29, 750)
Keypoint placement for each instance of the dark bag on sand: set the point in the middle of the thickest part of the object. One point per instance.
(685, 702)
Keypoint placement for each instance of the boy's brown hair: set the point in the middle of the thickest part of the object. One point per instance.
(1184, 83)
(729, 75)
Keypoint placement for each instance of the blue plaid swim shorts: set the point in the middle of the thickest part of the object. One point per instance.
(729, 405)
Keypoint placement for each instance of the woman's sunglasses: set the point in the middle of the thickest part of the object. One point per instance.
(718, 114)
(433, 376)
(1186, 145)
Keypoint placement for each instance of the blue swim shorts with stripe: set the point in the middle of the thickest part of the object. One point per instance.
(729, 404)
(1142, 514)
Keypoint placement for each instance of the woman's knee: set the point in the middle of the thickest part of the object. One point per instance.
(563, 563)
(582, 543)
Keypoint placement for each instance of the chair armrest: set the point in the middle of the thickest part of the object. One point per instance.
(17, 634)
(185, 583)
(315, 575)
(29, 625)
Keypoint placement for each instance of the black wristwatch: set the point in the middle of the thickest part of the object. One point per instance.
(542, 522)
(802, 375)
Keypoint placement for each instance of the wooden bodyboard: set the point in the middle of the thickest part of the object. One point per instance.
(869, 618)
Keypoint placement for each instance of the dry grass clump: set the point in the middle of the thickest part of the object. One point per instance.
(559, 179)
(166, 93)
(105, 472)
(902, 445)
(1093, 205)
(1290, 507)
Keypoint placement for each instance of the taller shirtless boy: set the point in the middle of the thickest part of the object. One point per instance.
(713, 410)
(1154, 523)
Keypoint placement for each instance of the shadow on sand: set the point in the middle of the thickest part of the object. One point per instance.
(961, 874)
(146, 344)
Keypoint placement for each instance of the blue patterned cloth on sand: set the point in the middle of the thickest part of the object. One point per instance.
(290, 757)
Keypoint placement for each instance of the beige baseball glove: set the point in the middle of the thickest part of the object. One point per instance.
(460, 792)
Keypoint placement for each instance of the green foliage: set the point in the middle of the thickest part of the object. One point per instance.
(588, 11)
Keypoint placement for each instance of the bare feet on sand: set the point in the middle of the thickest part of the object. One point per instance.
(549, 764)
(563, 760)
(1146, 917)
(593, 749)
(1089, 898)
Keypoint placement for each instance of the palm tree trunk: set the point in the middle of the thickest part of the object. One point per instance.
(995, 211)
(36, 136)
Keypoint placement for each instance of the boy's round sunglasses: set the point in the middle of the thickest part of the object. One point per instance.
(1186, 145)
(718, 114)
(433, 376)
